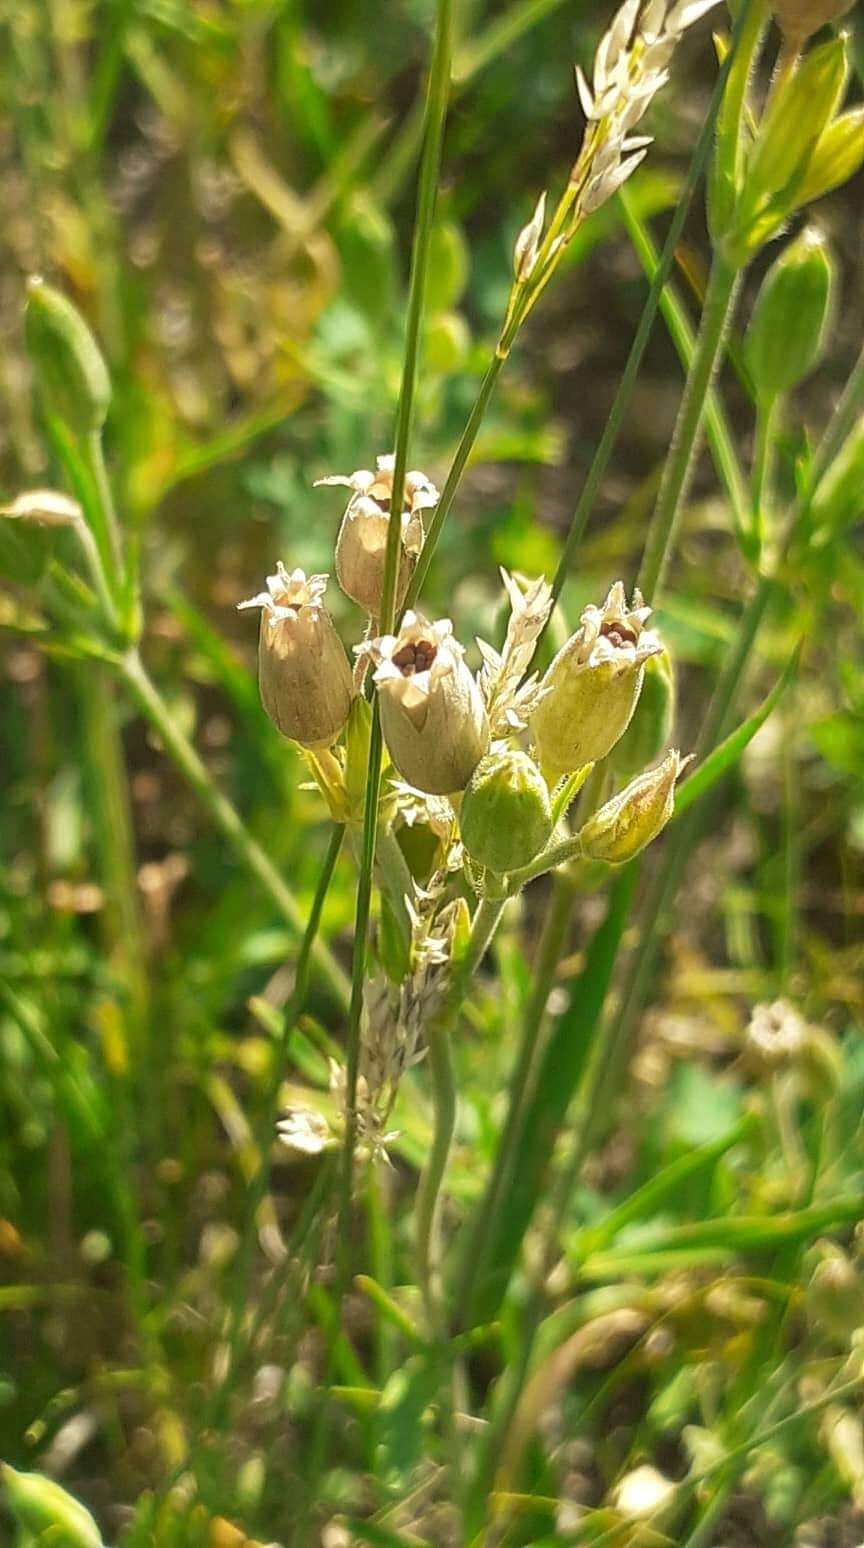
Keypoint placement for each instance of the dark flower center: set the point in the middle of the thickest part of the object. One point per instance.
(416, 657)
(618, 633)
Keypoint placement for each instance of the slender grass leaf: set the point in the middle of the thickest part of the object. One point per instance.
(724, 757)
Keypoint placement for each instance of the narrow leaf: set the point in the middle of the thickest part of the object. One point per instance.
(729, 752)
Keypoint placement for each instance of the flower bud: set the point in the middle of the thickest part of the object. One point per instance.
(799, 19)
(41, 1506)
(69, 367)
(361, 545)
(838, 156)
(800, 110)
(621, 828)
(591, 688)
(303, 671)
(787, 330)
(432, 715)
(506, 816)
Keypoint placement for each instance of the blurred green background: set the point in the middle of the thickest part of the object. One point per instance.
(227, 190)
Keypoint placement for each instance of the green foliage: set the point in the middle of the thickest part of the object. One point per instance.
(642, 1246)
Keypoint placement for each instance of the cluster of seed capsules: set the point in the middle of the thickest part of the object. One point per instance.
(436, 717)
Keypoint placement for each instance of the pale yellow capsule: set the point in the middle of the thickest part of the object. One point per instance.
(303, 671)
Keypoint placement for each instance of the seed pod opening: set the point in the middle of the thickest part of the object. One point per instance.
(432, 715)
(591, 688)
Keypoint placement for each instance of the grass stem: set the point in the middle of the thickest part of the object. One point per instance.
(433, 136)
(720, 297)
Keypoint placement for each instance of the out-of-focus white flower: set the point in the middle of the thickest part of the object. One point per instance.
(642, 1493)
(432, 714)
(362, 541)
(303, 671)
(776, 1036)
(305, 1131)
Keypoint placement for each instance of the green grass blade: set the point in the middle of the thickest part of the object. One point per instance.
(724, 757)
(561, 1068)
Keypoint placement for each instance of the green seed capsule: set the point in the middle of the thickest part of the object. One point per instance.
(506, 818)
(70, 370)
(787, 331)
(42, 1506)
(649, 730)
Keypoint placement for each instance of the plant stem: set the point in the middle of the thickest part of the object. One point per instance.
(720, 297)
(612, 429)
(717, 429)
(661, 890)
(763, 462)
(483, 928)
(551, 945)
(258, 1187)
(249, 851)
(434, 118)
(117, 847)
(435, 115)
(454, 478)
(99, 472)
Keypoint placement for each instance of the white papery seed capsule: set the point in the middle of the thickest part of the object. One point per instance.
(432, 715)
(361, 544)
(303, 671)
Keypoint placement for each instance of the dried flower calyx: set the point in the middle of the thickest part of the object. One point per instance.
(362, 541)
(303, 671)
(432, 714)
(627, 823)
(592, 687)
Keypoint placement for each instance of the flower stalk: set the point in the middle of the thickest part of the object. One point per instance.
(434, 119)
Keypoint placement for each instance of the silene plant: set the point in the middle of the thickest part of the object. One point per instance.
(511, 761)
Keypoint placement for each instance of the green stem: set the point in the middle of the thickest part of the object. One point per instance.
(226, 818)
(616, 1039)
(720, 297)
(483, 928)
(99, 472)
(434, 118)
(258, 1187)
(551, 946)
(116, 845)
(454, 478)
(612, 429)
(717, 429)
(763, 464)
